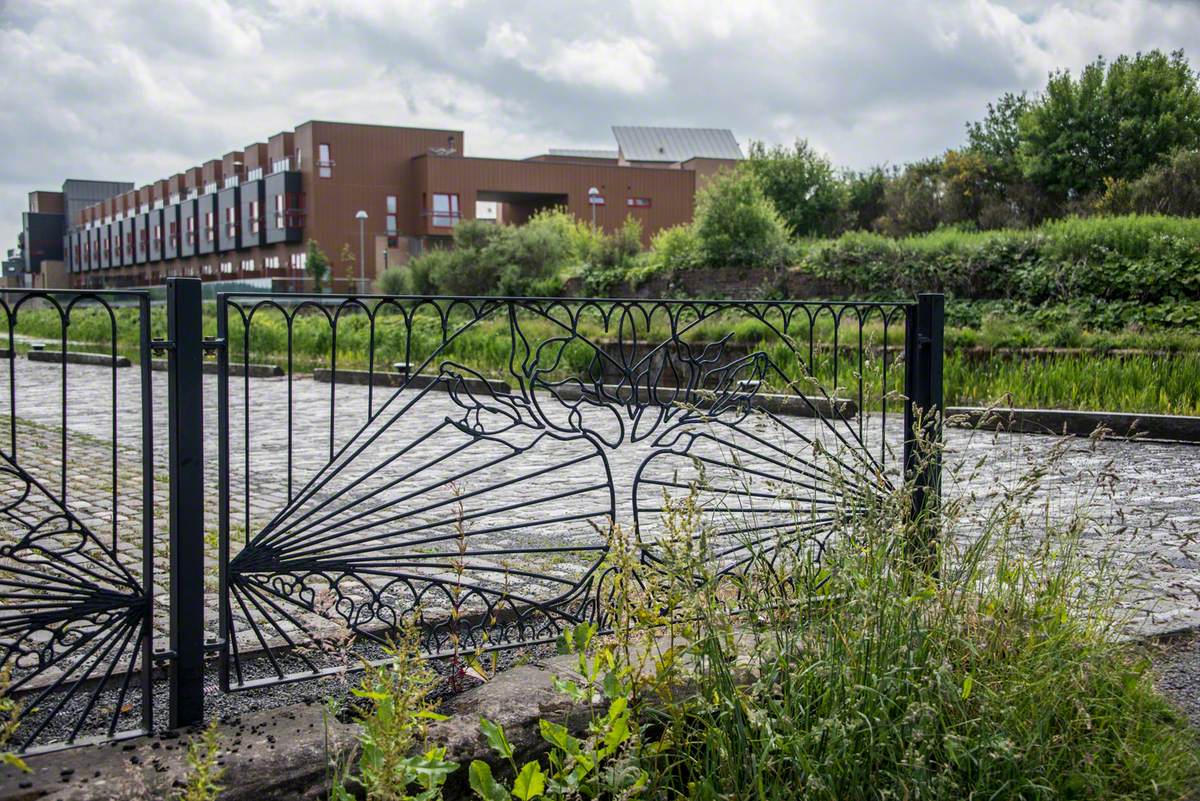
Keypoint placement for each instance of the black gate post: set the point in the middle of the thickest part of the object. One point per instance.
(185, 392)
(923, 344)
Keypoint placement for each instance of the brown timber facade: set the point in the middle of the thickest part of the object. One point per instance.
(250, 213)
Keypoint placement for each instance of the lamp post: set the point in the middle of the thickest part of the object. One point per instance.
(385, 264)
(593, 194)
(362, 251)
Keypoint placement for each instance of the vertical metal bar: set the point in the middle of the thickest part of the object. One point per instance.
(148, 516)
(923, 332)
(223, 488)
(185, 393)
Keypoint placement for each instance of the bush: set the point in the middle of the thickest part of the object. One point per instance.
(676, 248)
(1143, 259)
(394, 281)
(1171, 188)
(612, 256)
(737, 225)
(801, 183)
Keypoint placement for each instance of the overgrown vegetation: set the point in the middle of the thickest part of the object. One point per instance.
(1000, 673)
(1130, 357)
(201, 781)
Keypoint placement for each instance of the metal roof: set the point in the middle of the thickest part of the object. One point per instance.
(583, 154)
(675, 144)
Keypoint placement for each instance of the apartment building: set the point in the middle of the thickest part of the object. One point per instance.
(250, 213)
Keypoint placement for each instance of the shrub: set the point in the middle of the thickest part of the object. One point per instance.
(613, 255)
(737, 224)
(676, 248)
(316, 265)
(1171, 188)
(801, 183)
(394, 281)
(1147, 259)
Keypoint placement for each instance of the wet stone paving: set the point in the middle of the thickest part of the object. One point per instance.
(350, 501)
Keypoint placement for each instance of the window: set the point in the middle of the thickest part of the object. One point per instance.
(144, 239)
(255, 174)
(129, 243)
(210, 187)
(227, 267)
(174, 234)
(324, 162)
(289, 210)
(158, 236)
(391, 215)
(191, 231)
(255, 216)
(638, 202)
(231, 222)
(270, 262)
(247, 265)
(445, 210)
(210, 228)
(299, 261)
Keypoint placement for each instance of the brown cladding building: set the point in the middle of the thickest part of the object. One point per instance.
(248, 214)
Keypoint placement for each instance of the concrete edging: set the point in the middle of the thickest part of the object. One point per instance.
(78, 357)
(1172, 428)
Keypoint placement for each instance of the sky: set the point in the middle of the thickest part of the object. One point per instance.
(136, 91)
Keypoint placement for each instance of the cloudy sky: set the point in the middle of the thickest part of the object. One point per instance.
(140, 90)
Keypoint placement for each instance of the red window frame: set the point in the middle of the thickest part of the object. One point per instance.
(210, 226)
(637, 202)
(255, 220)
(174, 234)
(453, 214)
(231, 221)
(191, 231)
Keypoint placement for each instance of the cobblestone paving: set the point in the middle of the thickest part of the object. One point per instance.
(1144, 497)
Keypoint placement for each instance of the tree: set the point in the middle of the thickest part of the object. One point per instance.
(913, 200)
(997, 137)
(865, 194)
(349, 262)
(801, 183)
(316, 265)
(1114, 122)
(738, 225)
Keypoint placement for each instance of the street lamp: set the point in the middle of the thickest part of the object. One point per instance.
(385, 266)
(362, 251)
(593, 196)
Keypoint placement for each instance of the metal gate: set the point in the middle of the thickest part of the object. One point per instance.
(459, 463)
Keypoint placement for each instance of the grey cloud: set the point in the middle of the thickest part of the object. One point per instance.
(137, 90)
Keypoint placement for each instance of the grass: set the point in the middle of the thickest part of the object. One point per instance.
(1165, 379)
(990, 667)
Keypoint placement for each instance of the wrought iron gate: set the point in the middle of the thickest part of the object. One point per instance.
(455, 461)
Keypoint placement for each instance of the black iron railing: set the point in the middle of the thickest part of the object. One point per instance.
(455, 462)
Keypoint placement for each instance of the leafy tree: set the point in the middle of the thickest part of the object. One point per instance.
(1171, 188)
(913, 200)
(737, 223)
(316, 265)
(997, 137)
(349, 264)
(801, 183)
(1114, 121)
(864, 198)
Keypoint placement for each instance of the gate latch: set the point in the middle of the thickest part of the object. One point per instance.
(162, 344)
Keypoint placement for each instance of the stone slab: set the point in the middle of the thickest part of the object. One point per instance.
(1081, 423)
(76, 357)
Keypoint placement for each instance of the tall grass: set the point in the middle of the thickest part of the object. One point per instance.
(1000, 674)
(1166, 383)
